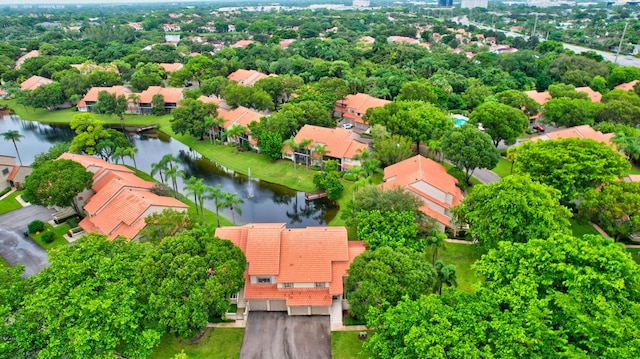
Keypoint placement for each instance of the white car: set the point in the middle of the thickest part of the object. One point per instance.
(347, 125)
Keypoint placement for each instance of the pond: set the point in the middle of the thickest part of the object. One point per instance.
(263, 201)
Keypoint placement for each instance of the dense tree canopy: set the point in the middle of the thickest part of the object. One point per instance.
(468, 148)
(393, 229)
(615, 207)
(189, 118)
(514, 209)
(570, 165)
(501, 122)
(546, 298)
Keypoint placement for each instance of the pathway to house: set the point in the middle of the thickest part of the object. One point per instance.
(15, 248)
(276, 335)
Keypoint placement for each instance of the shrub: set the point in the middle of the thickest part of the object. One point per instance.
(72, 222)
(48, 236)
(35, 226)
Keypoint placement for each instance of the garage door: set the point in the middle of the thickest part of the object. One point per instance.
(320, 310)
(257, 305)
(299, 310)
(278, 305)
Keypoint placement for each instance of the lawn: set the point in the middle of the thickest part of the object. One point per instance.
(4, 263)
(346, 345)
(59, 239)
(10, 203)
(503, 168)
(634, 253)
(217, 343)
(635, 170)
(462, 256)
(580, 229)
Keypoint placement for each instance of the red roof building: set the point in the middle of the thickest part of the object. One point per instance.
(584, 131)
(34, 82)
(429, 181)
(627, 86)
(28, 55)
(246, 77)
(118, 201)
(297, 270)
(353, 107)
(341, 145)
(12, 174)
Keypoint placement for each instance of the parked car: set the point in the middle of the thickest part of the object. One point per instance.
(538, 128)
(347, 125)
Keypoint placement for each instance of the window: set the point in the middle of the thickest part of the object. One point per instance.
(5, 171)
(264, 280)
(287, 285)
(234, 296)
(320, 284)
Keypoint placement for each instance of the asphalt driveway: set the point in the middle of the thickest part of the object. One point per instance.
(17, 249)
(275, 335)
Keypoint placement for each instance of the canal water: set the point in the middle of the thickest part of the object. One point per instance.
(263, 201)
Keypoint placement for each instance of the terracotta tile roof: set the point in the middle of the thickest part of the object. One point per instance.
(93, 164)
(633, 178)
(263, 251)
(242, 43)
(627, 86)
(539, 97)
(339, 141)
(28, 55)
(206, 99)
(584, 131)
(240, 115)
(339, 269)
(13, 173)
(246, 77)
(308, 296)
(170, 94)
(92, 95)
(594, 96)
(34, 82)
(359, 103)
(421, 176)
(286, 42)
(109, 185)
(171, 67)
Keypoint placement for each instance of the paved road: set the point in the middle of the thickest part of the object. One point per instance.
(14, 247)
(275, 335)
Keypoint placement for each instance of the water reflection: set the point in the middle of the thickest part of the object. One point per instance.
(267, 203)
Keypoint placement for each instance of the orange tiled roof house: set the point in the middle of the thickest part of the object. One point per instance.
(353, 107)
(138, 103)
(340, 144)
(118, 201)
(12, 174)
(429, 181)
(300, 271)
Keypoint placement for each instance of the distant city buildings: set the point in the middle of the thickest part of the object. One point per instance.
(361, 3)
(470, 4)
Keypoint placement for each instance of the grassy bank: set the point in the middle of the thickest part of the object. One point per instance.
(462, 256)
(10, 203)
(216, 343)
(347, 345)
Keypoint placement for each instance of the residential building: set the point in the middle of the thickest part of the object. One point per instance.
(584, 131)
(242, 43)
(239, 116)
(171, 67)
(361, 3)
(341, 145)
(353, 107)
(118, 201)
(91, 98)
(246, 77)
(300, 271)
(544, 97)
(408, 40)
(171, 96)
(28, 55)
(34, 82)
(429, 181)
(627, 86)
(12, 174)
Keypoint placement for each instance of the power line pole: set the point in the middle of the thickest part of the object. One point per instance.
(624, 31)
(535, 25)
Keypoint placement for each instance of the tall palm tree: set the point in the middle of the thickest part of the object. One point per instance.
(305, 143)
(319, 150)
(173, 173)
(232, 201)
(196, 187)
(14, 136)
(293, 146)
(436, 241)
(445, 275)
(131, 152)
(159, 167)
(208, 123)
(216, 194)
(135, 98)
(170, 159)
(236, 131)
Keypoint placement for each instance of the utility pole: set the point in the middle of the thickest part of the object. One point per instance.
(535, 25)
(624, 31)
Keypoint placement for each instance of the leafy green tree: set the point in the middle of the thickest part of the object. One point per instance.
(189, 118)
(514, 209)
(47, 96)
(476, 94)
(501, 122)
(445, 275)
(382, 277)
(236, 132)
(104, 79)
(13, 136)
(418, 91)
(157, 104)
(568, 112)
(53, 153)
(271, 85)
(107, 147)
(160, 225)
(520, 100)
(72, 82)
(188, 278)
(544, 298)
(619, 112)
(86, 304)
(147, 75)
(615, 207)
(570, 165)
(390, 149)
(393, 229)
(56, 183)
(330, 182)
(12, 292)
(89, 133)
(567, 91)
(468, 148)
(270, 144)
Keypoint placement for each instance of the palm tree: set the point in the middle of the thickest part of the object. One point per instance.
(436, 240)
(131, 152)
(196, 187)
(435, 147)
(135, 98)
(305, 143)
(445, 275)
(208, 123)
(232, 201)
(293, 146)
(14, 136)
(235, 132)
(159, 167)
(628, 144)
(173, 173)
(170, 159)
(216, 194)
(319, 150)
(118, 153)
